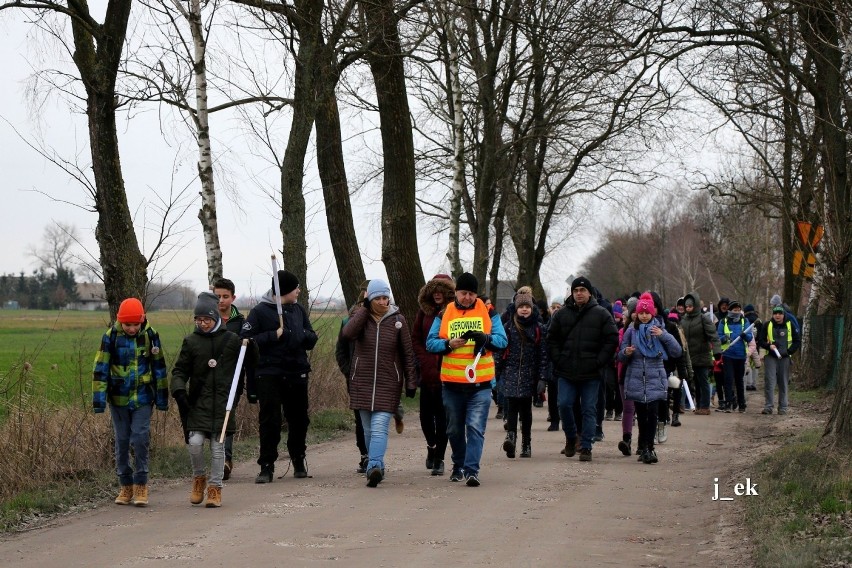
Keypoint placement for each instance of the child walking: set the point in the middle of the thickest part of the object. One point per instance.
(201, 383)
(130, 373)
(645, 347)
(523, 367)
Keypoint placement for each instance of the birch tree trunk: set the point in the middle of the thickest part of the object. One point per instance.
(207, 214)
(457, 110)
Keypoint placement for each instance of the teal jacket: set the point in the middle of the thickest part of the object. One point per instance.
(130, 371)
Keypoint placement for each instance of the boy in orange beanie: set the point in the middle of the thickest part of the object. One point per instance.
(130, 373)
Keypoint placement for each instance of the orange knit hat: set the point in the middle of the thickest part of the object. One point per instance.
(131, 311)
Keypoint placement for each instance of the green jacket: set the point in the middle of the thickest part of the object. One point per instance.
(700, 333)
(204, 369)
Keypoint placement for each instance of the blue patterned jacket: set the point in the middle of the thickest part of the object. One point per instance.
(130, 371)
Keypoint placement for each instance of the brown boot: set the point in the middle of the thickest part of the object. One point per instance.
(214, 496)
(125, 496)
(199, 484)
(140, 495)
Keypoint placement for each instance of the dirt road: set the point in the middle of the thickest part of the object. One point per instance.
(543, 511)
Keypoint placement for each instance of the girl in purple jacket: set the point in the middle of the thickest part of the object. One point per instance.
(644, 348)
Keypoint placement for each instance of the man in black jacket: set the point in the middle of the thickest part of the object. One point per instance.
(281, 374)
(582, 339)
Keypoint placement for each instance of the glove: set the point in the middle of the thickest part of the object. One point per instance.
(717, 356)
(181, 400)
(542, 386)
(726, 338)
(743, 338)
(410, 392)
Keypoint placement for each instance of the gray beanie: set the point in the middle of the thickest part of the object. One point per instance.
(775, 300)
(207, 306)
(631, 305)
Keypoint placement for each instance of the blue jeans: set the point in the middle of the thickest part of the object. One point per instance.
(702, 385)
(467, 414)
(376, 436)
(132, 428)
(588, 393)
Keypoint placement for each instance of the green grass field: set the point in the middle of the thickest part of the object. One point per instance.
(60, 347)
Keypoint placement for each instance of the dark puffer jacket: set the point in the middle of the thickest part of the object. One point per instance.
(581, 341)
(429, 363)
(208, 386)
(524, 361)
(382, 361)
(286, 355)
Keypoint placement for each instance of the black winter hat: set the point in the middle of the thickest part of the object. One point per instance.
(582, 281)
(207, 306)
(467, 282)
(287, 281)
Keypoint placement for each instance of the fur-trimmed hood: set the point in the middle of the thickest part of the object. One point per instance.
(427, 304)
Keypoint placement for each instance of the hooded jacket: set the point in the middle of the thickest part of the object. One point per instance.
(581, 340)
(204, 369)
(286, 355)
(382, 360)
(701, 338)
(428, 363)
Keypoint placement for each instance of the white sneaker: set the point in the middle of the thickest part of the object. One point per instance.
(662, 432)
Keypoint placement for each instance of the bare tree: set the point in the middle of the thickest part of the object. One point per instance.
(57, 242)
(400, 253)
(97, 54)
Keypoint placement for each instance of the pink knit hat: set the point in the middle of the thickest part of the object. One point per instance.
(646, 304)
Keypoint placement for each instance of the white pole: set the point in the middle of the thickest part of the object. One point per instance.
(276, 289)
(233, 392)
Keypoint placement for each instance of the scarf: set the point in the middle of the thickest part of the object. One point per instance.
(649, 345)
(525, 327)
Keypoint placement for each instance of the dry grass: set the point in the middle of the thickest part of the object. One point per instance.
(44, 442)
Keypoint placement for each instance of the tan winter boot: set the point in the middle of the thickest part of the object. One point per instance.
(199, 484)
(214, 496)
(140, 495)
(125, 496)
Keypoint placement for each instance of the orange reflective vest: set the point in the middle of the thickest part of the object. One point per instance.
(454, 323)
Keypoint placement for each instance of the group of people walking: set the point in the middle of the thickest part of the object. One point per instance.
(595, 360)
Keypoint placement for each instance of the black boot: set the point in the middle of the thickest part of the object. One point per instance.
(526, 448)
(676, 419)
(300, 470)
(624, 444)
(641, 451)
(430, 457)
(509, 444)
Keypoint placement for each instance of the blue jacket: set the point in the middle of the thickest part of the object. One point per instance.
(646, 379)
(738, 350)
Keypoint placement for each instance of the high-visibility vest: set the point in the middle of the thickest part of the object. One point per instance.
(454, 323)
(789, 333)
(727, 331)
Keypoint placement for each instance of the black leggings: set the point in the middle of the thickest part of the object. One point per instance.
(519, 406)
(433, 421)
(646, 417)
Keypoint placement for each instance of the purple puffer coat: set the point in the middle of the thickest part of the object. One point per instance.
(646, 379)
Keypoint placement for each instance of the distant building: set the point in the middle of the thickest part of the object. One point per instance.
(11, 305)
(505, 294)
(92, 296)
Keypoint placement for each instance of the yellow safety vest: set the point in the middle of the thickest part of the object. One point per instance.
(789, 333)
(454, 323)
